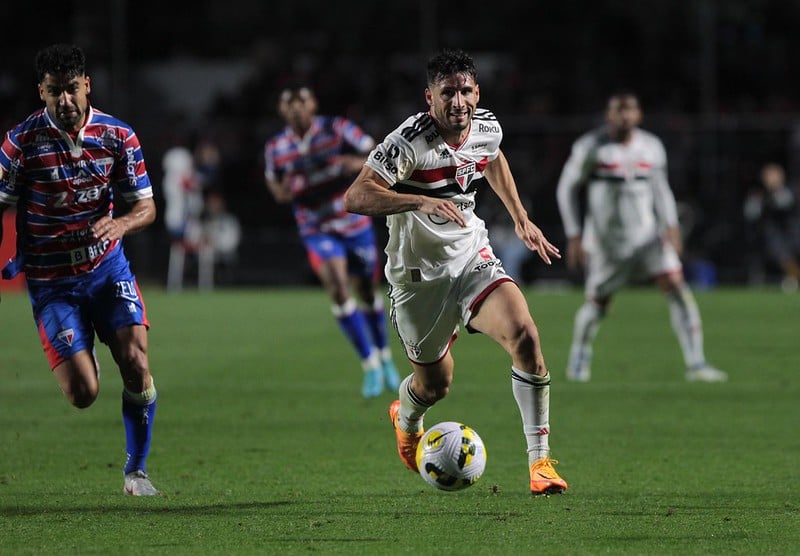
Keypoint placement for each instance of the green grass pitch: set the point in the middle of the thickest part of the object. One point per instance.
(263, 444)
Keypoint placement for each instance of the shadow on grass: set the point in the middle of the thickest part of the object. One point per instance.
(138, 509)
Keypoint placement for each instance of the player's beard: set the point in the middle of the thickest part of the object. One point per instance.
(70, 118)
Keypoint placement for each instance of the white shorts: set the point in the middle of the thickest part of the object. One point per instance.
(605, 275)
(427, 314)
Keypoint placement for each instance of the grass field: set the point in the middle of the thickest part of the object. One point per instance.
(263, 444)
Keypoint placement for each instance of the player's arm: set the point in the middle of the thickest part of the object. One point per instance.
(370, 194)
(280, 189)
(142, 214)
(498, 174)
(572, 178)
(277, 182)
(357, 140)
(666, 209)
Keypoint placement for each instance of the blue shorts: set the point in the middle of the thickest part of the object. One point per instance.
(359, 249)
(70, 312)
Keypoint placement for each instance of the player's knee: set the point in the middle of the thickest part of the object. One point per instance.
(525, 339)
(133, 360)
(82, 395)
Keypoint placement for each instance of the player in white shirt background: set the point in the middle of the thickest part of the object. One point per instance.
(629, 232)
(441, 268)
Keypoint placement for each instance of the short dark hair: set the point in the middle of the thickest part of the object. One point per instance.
(60, 59)
(449, 62)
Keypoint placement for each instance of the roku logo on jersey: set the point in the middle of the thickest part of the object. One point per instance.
(486, 128)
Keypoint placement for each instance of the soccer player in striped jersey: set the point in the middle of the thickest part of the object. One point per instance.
(58, 168)
(630, 232)
(309, 164)
(441, 268)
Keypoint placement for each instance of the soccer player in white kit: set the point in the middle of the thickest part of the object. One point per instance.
(630, 232)
(440, 265)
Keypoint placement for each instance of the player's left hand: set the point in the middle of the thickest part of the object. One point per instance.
(534, 239)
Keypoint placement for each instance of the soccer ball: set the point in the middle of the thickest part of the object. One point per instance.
(451, 456)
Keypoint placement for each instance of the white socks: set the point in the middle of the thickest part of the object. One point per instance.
(532, 393)
(686, 323)
(412, 409)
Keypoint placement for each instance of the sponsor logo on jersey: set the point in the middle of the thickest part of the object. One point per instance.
(66, 336)
(385, 160)
(464, 174)
(488, 128)
(109, 138)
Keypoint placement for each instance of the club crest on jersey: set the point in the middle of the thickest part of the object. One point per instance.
(464, 174)
(66, 336)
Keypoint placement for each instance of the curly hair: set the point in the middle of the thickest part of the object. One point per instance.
(449, 62)
(60, 59)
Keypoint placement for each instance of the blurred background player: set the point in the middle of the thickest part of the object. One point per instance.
(424, 177)
(59, 168)
(182, 187)
(310, 164)
(630, 232)
(773, 217)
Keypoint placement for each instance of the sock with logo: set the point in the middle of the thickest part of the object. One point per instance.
(138, 413)
(532, 393)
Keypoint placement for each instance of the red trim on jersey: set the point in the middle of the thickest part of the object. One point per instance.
(433, 175)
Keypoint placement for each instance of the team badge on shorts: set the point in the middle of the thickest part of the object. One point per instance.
(413, 349)
(66, 336)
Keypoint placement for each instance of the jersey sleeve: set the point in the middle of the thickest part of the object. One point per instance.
(131, 172)
(353, 135)
(574, 174)
(663, 197)
(10, 160)
(270, 173)
(394, 159)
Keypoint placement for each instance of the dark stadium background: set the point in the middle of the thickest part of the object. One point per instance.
(717, 80)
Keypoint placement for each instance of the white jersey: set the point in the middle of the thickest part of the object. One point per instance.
(415, 159)
(628, 198)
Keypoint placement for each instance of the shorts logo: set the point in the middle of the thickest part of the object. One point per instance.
(126, 290)
(66, 336)
(464, 174)
(413, 349)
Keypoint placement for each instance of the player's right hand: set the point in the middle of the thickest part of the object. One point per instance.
(442, 208)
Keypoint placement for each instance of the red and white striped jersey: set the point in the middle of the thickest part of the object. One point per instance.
(62, 183)
(415, 159)
(628, 198)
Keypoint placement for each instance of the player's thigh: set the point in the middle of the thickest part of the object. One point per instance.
(426, 319)
(117, 303)
(660, 260)
(64, 325)
(502, 313)
(606, 275)
(327, 256)
(363, 255)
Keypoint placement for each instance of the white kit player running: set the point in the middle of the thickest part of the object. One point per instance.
(440, 266)
(630, 232)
